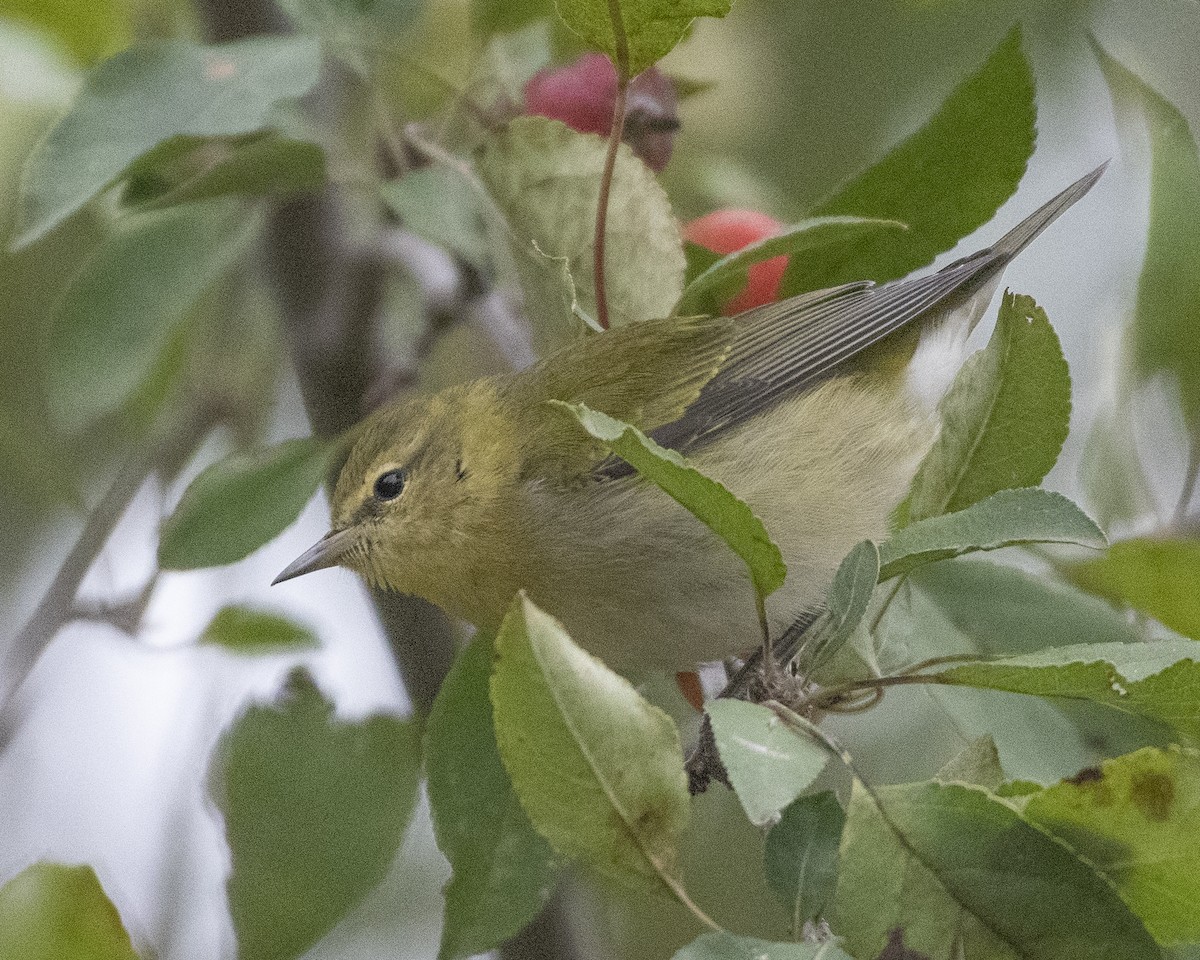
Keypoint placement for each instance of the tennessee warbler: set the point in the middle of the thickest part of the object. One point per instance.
(798, 407)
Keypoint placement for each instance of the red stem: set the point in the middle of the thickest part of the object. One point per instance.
(606, 178)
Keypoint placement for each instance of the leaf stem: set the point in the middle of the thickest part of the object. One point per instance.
(621, 42)
(693, 908)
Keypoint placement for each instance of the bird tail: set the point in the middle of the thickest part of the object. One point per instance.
(1024, 233)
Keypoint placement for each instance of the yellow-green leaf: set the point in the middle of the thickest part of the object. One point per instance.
(598, 770)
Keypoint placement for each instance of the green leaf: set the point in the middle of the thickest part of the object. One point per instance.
(1004, 420)
(709, 501)
(54, 912)
(726, 277)
(504, 871)
(439, 205)
(118, 315)
(315, 809)
(144, 97)
(91, 29)
(186, 169)
(1157, 577)
(944, 181)
(1159, 679)
(727, 946)
(768, 763)
(1163, 336)
(1003, 519)
(846, 604)
(243, 630)
(1137, 820)
(1111, 471)
(800, 856)
(598, 770)
(948, 868)
(977, 764)
(355, 17)
(506, 16)
(975, 606)
(544, 178)
(652, 27)
(239, 503)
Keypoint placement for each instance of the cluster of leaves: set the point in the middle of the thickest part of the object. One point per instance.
(537, 754)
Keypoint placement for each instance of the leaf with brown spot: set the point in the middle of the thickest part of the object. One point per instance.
(1137, 819)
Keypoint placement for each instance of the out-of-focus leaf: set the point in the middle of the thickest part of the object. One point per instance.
(506, 16)
(651, 27)
(800, 856)
(1158, 577)
(949, 867)
(724, 279)
(944, 181)
(1003, 519)
(1111, 470)
(768, 763)
(709, 501)
(1163, 336)
(1004, 420)
(1159, 679)
(148, 95)
(439, 205)
(1137, 820)
(504, 871)
(727, 946)
(119, 313)
(512, 58)
(243, 630)
(54, 912)
(598, 770)
(359, 16)
(977, 764)
(185, 169)
(544, 177)
(361, 32)
(239, 503)
(91, 29)
(314, 810)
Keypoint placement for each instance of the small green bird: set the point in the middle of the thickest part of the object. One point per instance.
(799, 408)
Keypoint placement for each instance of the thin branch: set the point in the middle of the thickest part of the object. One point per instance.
(610, 161)
(170, 441)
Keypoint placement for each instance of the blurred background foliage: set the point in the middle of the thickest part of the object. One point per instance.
(781, 102)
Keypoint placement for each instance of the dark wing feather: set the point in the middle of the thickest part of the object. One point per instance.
(784, 348)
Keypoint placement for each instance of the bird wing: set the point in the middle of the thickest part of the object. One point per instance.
(783, 348)
(647, 374)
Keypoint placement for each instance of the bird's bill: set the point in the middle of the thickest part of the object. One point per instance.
(326, 552)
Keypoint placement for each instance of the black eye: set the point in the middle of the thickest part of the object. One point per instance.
(390, 485)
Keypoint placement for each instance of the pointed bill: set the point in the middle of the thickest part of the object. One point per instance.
(326, 552)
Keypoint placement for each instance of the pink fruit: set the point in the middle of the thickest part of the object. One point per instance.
(727, 231)
(583, 95)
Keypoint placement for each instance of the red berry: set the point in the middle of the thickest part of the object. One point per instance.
(727, 231)
(583, 95)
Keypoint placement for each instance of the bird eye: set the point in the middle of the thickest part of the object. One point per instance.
(390, 485)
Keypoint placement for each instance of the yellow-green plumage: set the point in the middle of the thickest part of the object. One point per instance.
(786, 406)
